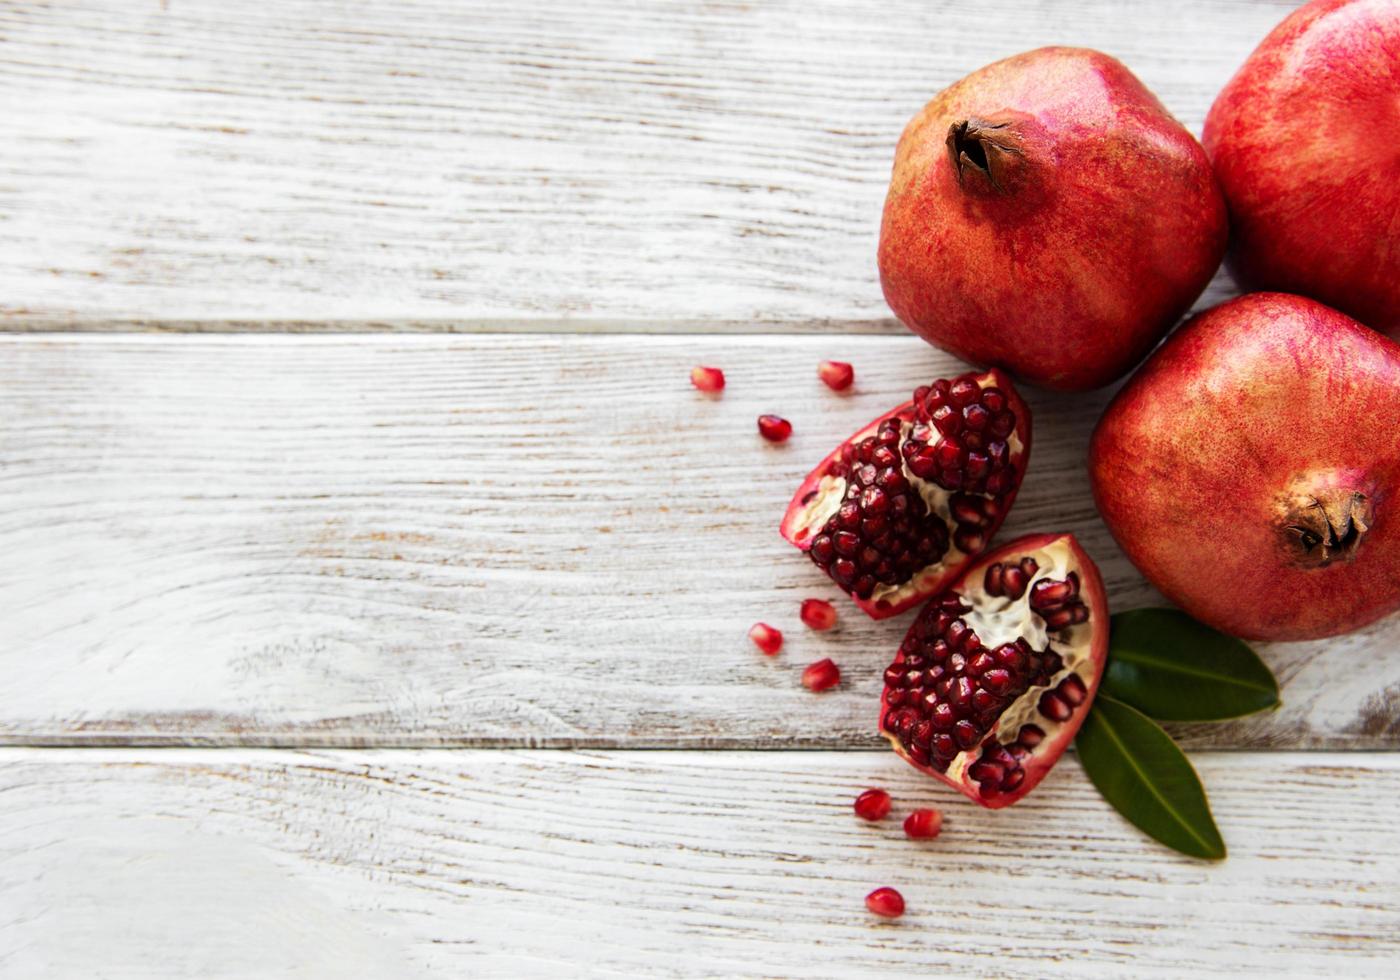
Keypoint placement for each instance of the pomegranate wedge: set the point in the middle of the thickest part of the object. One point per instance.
(997, 673)
(898, 509)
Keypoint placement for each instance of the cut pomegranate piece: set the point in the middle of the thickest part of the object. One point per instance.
(818, 614)
(997, 673)
(774, 428)
(923, 824)
(836, 375)
(766, 638)
(885, 902)
(873, 804)
(707, 378)
(821, 675)
(898, 510)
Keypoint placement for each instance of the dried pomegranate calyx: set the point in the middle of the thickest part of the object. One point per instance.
(1320, 525)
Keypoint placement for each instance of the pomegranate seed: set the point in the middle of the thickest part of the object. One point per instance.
(821, 675)
(707, 378)
(766, 638)
(885, 902)
(773, 428)
(923, 824)
(873, 804)
(818, 614)
(838, 375)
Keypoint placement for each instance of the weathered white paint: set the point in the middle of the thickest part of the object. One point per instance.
(480, 863)
(662, 161)
(483, 540)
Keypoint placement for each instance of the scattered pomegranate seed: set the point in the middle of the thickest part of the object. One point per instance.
(773, 428)
(923, 824)
(821, 675)
(838, 375)
(707, 378)
(873, 804)
(818, 614)
(886, 902)
(766, 638)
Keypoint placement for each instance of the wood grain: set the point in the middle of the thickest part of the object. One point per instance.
(487, 540)
(460, 164)
(244, 863)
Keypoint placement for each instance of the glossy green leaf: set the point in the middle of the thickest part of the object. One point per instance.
(1141, 772)
(1172, 668)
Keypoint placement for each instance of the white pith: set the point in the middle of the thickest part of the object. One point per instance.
(999, 619)
(831, 490)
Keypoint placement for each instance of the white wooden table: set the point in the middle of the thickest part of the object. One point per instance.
(362, 541)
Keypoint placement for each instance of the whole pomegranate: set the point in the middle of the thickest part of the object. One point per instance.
(996, 674)
(1048, 216)
(1306, 142)
(895, 512)
(1252, 467)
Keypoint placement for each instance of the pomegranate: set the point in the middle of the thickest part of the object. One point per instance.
(997, 673)
(873, 805)
(923, 824)
(885, 902)
(1304, 140)
(898, 508)
(1048, 216)
(774, 428)
(821, 675)
(836, 375)
(1248, 469)
(766, 638)
(707, 379)
(818, 614)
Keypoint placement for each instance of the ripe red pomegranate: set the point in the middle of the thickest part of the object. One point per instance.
(1048, 216)
(898, 508)
(1249, 469)
(1306, 142)
(997, 673)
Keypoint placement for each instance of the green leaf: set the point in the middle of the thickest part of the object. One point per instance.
(1139, 769)
(1173, 668)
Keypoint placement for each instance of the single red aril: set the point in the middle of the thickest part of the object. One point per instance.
(885, 902)
(923, 824)
(774, 428)
(1304, 141)
(873, 804)
(1251, 469)
(837, 375)
(894, 512)
(1022, 630)
(1047, 215)
(766, 638)
(818, 614)
(821, 675)
(707, 378)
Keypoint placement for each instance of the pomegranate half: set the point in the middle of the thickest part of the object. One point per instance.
(894, 512)
(996, 675)
(1252, 467)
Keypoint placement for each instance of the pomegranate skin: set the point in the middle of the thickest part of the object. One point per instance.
(1048, 216)
(1305, 140)
(1249, 468)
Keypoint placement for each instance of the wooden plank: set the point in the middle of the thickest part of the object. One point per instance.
(245, 863)
(464, 163)
(495, 540)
